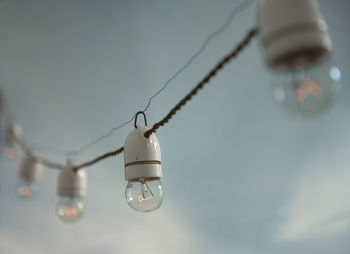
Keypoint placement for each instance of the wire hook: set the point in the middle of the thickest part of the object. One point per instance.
(144, 117)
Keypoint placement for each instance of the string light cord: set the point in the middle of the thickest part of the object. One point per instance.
(206, 42)
(19, 139)
(238, 9)
(99, 158)
(204, 81)
(224, 61)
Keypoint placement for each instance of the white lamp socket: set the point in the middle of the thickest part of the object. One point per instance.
(30, 170)
(142, 156)
(292, 32)
(71, 183)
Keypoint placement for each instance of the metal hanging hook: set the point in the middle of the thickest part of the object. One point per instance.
(144, 117)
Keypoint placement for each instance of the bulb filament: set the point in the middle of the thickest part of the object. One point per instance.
(146, 191)
(144, 199)
(69, 212)
(26, 191)
(308, 87)
(10, 153)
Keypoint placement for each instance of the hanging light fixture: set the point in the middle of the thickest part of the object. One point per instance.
(71, 190)
(30, 173)
(297, 48)
(143, 170)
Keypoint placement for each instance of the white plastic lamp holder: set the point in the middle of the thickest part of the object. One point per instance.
(30, 173)
(142, 156)
(71, 189)
(71, 183)
(30, 170)
(143, 170)
(293, 31)
(11, 134)
(297, 47)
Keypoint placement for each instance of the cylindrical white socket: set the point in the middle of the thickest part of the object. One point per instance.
(142, 156)
(30, 170)
(71, 183)
(293, 33)
(11, 134)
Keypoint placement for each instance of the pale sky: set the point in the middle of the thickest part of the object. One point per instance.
(240, 174)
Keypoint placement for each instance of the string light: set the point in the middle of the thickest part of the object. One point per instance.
(145, 188)
(148, 192)
(236, 10)
(30, 173)
(143, 171)
(71, 190)
(297, 49)
(224, 61)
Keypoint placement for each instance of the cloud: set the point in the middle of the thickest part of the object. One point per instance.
(165, 235)
(10, 244)
(108, 227)
(320, 205)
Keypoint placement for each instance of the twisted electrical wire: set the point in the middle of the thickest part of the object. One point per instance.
(241, 7)
(224, 61)
(19, 139)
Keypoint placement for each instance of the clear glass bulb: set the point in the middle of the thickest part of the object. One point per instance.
(308, 90)
(144, 195)
(70, 209)
(26, 189)
(10, 153)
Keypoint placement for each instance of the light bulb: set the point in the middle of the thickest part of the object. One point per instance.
(10, 153)
(143, 170)
(307, 90)
(70, 209)
(144, 195)
(297, 47)
(26, 189)
(71, 189)
(30, 173)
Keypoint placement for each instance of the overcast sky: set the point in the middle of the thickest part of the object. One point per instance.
(240, 174)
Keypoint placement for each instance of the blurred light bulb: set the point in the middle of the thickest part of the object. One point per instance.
(297, 45)
(70, 209)
(307, 90)
(143, 195)
(26, 189)
(71, 189)
(30, 173)
(10, 153)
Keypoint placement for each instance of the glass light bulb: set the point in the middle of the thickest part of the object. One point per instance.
(308, 90)
(26, 189)
(10, 153)
(144, 195)
(70, 209)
